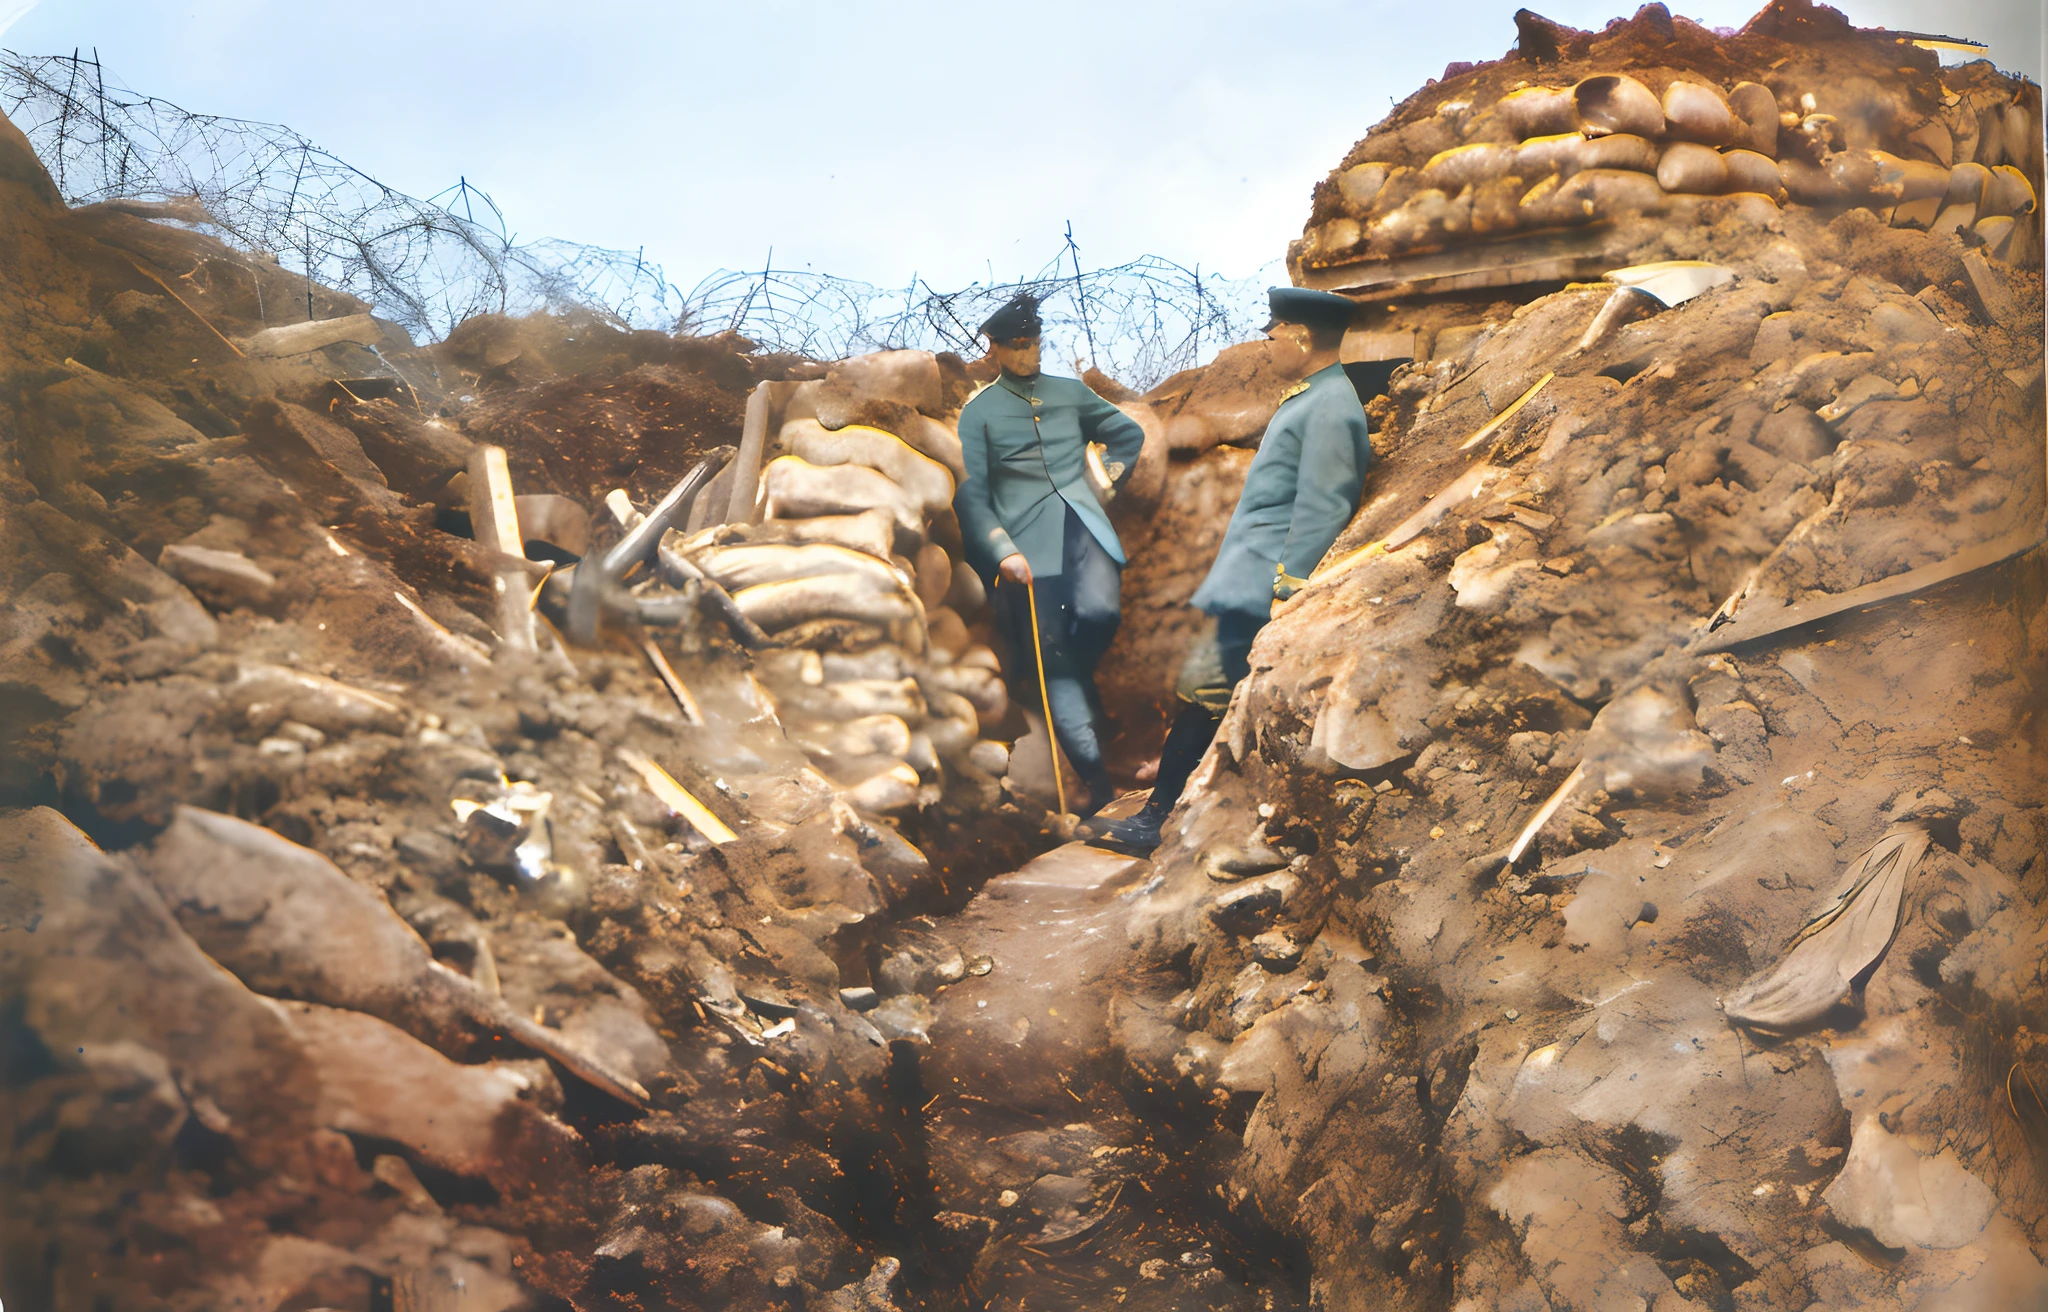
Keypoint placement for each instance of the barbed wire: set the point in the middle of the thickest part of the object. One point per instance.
(429, 264)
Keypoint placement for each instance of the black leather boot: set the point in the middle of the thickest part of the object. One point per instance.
(1192, 732)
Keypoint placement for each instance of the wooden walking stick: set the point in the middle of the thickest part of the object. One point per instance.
(1052, 741)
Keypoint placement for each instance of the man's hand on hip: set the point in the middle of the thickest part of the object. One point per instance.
(1015, 568)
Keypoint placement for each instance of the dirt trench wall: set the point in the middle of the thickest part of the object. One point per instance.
(241, 587)
(1504, 1069)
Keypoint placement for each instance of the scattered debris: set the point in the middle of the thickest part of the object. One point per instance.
(1852, 930)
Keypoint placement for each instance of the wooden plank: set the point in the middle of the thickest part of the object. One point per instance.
(746, 468)
(1752, 623)
(1554, 255)
(1365, 346)
(494, 521)
(677, 798)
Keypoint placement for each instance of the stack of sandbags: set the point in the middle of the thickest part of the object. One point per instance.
(1631, 124)
(852, 565)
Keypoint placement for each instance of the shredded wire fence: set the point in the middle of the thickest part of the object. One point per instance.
(429, 264)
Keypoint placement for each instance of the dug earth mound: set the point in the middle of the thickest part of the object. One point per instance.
(544, 820)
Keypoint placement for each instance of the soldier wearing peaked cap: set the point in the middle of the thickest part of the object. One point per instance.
(1299, 494)
(1028, 516)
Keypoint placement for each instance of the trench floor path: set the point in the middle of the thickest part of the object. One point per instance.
(1027, 1131)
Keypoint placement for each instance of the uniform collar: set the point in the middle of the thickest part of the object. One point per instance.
(1024, 389)
(1310, 381)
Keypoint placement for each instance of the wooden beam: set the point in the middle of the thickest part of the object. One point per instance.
(494, 521)
(746, 467)
(1753, 622)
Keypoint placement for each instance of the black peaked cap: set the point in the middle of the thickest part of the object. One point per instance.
(1017, 318)
(1300, 305)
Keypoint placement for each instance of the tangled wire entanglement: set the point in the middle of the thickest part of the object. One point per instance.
(429, 264)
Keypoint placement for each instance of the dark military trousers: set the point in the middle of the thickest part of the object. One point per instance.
(1214, 668)
(1078, 613)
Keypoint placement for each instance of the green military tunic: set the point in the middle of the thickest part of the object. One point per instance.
(1025, 444)
(1299, 494)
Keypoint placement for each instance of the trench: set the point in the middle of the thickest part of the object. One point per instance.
(1045, 1175)
(1012, 1158)
(902, 1045)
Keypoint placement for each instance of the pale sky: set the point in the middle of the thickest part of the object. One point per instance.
(867, 139)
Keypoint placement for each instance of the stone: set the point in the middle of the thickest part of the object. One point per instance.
(1276, 951)
(1902, 1198)
(224, 578)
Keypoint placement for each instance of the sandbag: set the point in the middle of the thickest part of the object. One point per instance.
(1541, 156)
(2007, 192)
(1359, 185)
(1908, 180)
(1751, 171)
(848, 596)
(750, 565)
(952, 723)
(798, 489)
(946, 630)
(803, 400)
(1689, 168)
(1966, 184)
(936, 439)
(1538, 111)
(1756, 113)
(909, 377)
(981, 687)
(1615, 150)
(893, 789)
(1698, 113)
(1467, 166)
(1597, 194)
(933, 575)
(268, 695)
(920, 475)
(1615, 102)
(859, 698)
(872, 532)
(871, 735)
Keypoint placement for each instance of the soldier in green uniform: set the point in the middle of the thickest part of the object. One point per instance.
(1028, 516)
(1299, 494)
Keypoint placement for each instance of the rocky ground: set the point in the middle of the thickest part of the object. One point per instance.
(1565, 1057)
(1618, 885)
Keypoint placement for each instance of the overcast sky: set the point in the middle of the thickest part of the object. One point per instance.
(868, 139)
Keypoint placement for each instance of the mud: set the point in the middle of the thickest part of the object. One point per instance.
(1531, 1095)
(354, 956)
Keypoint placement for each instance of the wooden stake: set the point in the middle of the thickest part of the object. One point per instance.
(1544, 812)
(746, 468)
(494, 520)
(1493, 425)
(691, 712)
(678, 798)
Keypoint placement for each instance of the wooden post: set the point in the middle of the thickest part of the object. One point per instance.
(494, 520)
(746, 467)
